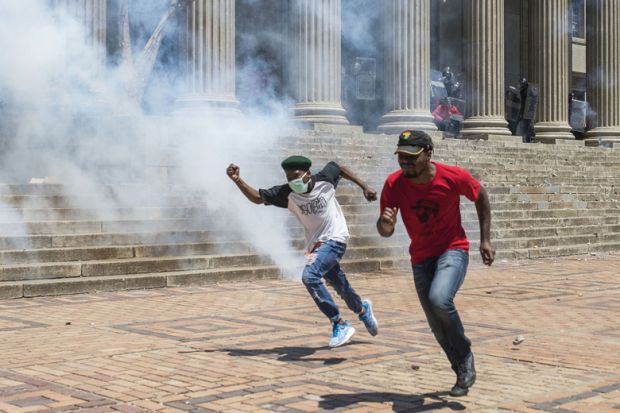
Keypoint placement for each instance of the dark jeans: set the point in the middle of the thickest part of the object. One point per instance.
(327, 265)
(436, 281)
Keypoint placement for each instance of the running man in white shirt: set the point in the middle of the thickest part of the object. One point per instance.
(312, 199)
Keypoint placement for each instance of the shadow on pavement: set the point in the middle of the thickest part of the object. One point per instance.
(294, 353)
(402, 403)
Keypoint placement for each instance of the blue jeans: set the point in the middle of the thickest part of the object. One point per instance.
(327, 266)
(436, 281)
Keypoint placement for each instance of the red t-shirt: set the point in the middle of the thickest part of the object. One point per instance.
(431, 211)
(442, 112)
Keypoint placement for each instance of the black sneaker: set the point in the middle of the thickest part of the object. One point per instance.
(466, 376)
(458, 391)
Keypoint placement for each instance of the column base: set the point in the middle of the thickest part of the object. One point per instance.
(603, 142)
(330, 113)
(604, 131)
(200, 103)
(397, 121)
(485, 125)
(550, 132)
(511, 139)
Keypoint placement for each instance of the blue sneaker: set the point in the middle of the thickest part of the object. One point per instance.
(368, 318)
(341, 334)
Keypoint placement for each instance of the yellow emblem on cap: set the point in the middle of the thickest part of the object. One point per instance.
(406, 135)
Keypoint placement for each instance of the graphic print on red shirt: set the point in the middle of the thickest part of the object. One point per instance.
(431, 211)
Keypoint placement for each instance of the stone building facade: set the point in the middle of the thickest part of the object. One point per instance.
(369, 62)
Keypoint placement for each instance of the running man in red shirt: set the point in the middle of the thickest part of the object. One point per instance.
(428, 195)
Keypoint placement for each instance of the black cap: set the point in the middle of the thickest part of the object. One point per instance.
(413, 142)
(296, 162)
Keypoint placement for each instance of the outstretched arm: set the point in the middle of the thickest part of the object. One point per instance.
(483, 208)
(369, 193)
(250, 193)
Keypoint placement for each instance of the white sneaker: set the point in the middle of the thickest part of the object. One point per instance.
(368, 318)
(341, 334)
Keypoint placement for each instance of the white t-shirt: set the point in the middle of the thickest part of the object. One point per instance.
(318, 211)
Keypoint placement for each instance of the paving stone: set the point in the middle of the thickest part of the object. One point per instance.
(262, 346)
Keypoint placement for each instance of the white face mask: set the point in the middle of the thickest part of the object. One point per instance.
(298, 185)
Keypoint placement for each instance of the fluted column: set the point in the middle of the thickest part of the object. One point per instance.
(550, 68)
(210, 56)
(603, 65)
(317, 61)
(92, 14)
(484, 62)
(407, 66)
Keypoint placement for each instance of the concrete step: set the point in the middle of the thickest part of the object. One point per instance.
(573, 250)
(90, 227)
(553, 251)
(83, 201)
(598, 232)
(85, 214)
(349, 203)
(50, 255)
(364, 158)
(528, 233)
(539, 213)
(141, 265)
(546, 222)
(367, 215)
(609, 237)
(359, 225)
(150, 237)
(554, 197)
(544, 242)
(34, 288)
(113, 239)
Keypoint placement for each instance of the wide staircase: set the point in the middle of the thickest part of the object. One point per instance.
(547, 200)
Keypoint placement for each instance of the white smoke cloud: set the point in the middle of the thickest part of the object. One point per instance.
(67, 116)
(360, 19)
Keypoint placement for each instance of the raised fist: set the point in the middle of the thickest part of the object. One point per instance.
(233, 172)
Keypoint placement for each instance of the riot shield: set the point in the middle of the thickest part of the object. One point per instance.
(438, 89)
(578, 115)
(513, 104)
(531, 102)
(454, 85)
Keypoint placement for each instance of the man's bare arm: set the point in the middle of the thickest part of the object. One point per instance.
(387, 222)
(483, 208)
(250, 193)
(369, 193)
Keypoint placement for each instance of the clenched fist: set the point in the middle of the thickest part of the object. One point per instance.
(370, 194)
(233, 172)
(388, 218)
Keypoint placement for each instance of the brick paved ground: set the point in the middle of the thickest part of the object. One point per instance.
(259, 347)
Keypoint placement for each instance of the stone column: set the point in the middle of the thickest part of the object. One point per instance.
(407, 66)
(210, 57)
(93, 15)
(484, 67)
(550, 68)
(317, 63)
(603, 66)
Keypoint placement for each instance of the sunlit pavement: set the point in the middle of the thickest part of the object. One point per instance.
(258, 347)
